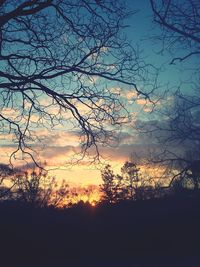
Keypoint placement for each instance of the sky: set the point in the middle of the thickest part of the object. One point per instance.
(140, 31)
(59, 145)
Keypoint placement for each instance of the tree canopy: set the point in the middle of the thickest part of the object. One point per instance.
(59, 60)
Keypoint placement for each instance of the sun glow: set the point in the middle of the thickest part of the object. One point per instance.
(93, 204)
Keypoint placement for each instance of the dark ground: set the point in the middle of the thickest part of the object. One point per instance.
(164, 232)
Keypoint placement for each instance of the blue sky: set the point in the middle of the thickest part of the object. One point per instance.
(142, 32)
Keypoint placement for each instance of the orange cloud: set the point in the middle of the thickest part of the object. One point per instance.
(141, 102)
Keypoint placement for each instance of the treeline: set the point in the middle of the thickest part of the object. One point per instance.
(39, 189)
(129, 185)
(132, 225)
(155, 232)
(132, 184)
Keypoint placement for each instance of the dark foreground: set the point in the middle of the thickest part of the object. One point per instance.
(163, 232)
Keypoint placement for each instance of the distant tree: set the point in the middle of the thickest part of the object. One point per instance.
(39, 189)
(5, 171)
(57, 58)
(55, 194)
(109, 186)
(130, 174)
(189, 176)
(88, 194)
(129, 185)
(6, 183)
(120, 190)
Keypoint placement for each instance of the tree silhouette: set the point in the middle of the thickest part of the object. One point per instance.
(180, 22)
(58, 62)
(38, 189)
(176, 138)
(79, 194)
(131, 177)
(6, 183)
(129, 185)
(109, 186)
(134, 185)
(177, 129)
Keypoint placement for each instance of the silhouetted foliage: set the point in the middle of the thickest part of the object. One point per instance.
(130, 185)
(130, 174)
(109, 184)
(82, 194)
(180, 22)
(38, 189)
(6, 174)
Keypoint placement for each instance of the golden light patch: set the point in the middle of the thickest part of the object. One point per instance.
(141, 102)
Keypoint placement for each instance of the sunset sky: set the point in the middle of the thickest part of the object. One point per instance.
(140, 32)
(58, 146)
(99, 132)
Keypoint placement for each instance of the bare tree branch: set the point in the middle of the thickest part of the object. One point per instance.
(180, 22)
(59, 60)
